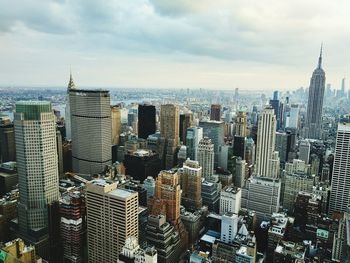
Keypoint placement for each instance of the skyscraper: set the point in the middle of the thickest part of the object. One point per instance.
(205, 155)
(146, 120)
(112, 217)
(241, 124)
(278, 108)
(37, 165)
(186, 121)
(7, 141)
(265, 149)
(193, 136)
(340, 193)
(191, 185)
(215, 130)
(67, 118)
(167, 197)
(169, 129)
(91, 130)
(116, 124)
(315, 102)
(215, 112)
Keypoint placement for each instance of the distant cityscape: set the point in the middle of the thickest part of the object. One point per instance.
(168, 176)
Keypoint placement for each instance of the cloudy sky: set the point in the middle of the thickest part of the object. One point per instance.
(218, 44)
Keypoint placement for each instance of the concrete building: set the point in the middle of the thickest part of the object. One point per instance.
(241, 124)
(132, 253)
(116, 124)
(296, 177)
(17, 251)
(265, 148)
(205, 155)
(262, 195)
(230, 200)
(340, 195)
(7, 141)
(211, 195)
(73, 226)
(91, 130)
(150, 185)
(167, 197)
(163, 236)
(315, 102)
(215, 112)
(186, 121)
(293, 118)
(304, 151)
(37, 166)
(112, 216)
(229, 225)
(169, 129)
(191, 185)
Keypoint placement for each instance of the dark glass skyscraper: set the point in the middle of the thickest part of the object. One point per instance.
(315, 102)
(146, 120)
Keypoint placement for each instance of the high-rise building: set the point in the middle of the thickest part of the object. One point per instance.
(7, 141)
(91, 130)
(116, 124)
(340, 195)
(262, 195)
(241, 124)
(186, 121)
(315, 102)
(73, 226)
(167, 196)
(191, 185)
(112, 217)
(230, 200)
(215, 112)
(169, 129)
(147, 120)
(205, 157)
(304, 151)
(277, 106)
(193, 136)
(142, 163)
(293, 118)
(229, 227)
(37, 165)
(215, 130)
(266, 144)
(67, 118)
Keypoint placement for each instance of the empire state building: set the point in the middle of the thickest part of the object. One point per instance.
(315, 102)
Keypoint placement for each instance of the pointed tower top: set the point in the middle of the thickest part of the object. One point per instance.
(320, 57)
(71, 84)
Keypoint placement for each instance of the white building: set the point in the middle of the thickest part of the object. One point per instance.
(91, 130)
(266, 158)
(132, 252)
(112, 217)
(205, 156)
(230, 200)
(304, 151)
(293, 119)
(229, 227)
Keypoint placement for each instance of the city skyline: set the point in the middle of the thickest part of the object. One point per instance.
(163, 44)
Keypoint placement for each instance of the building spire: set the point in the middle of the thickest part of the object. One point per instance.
(320, 57)
(71, 84)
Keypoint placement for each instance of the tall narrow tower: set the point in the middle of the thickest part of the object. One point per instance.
(340, 193)
(37, 164)
(169, 129)
(205, 155)
(67, 122)
(91, 130)
(147, 120)
(265, 150)
(315, 102)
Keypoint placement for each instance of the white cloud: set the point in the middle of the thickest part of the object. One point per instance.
(279, 39)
